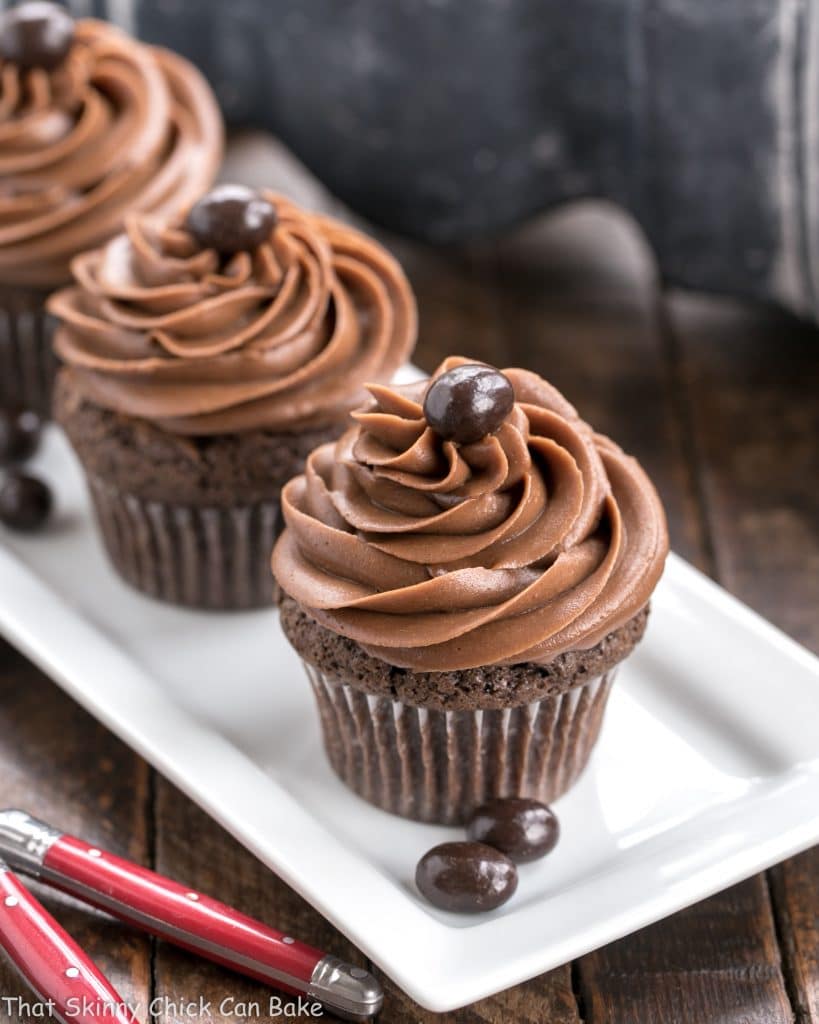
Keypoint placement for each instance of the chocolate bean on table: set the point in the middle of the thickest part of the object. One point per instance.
(231, 219)
(36, 35)
(468, 402)
(467, 878)
(25, 501)
(20, 431)
(522, 829)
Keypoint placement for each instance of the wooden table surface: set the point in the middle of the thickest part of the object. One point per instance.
(721, 404)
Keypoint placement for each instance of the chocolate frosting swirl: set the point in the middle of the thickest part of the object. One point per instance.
(539, 539)
(118, 126)
(281, 338)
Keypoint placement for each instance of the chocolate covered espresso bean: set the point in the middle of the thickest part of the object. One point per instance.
(25, 501)
(231, 219)
(522, 829)
(20, 431)
(37, 34)
(468, 402)
(466, 878)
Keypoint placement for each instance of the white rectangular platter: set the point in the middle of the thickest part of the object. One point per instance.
(706, 772)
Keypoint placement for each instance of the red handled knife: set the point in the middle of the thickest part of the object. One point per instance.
(51, 962)
(184, 917)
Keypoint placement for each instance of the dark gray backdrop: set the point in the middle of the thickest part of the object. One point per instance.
(447, 119)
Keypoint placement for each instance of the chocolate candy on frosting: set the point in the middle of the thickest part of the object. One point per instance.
(36, 35)
(231, 219)
(466, 878)
(468, 402)
(522, 829)
(20, 431)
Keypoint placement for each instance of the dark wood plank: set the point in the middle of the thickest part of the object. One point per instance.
(459, 302)
(715, 961)
(192, 849)
(753, 382)
(795, 889)
(60, 765)
(548, 999)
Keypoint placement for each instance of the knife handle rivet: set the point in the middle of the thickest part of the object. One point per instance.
(289, 940)
(11, 901)
(358, 973)
(193, 896)
(72, 972)
(95, 853)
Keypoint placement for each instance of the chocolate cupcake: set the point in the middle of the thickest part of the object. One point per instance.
(93, 125)
(205, 357)
(462, 572)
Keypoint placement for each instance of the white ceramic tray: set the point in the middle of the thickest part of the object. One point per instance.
(707, 769)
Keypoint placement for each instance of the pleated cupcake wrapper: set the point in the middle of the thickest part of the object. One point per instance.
(437, 766)
(28, 365)
(202, 557)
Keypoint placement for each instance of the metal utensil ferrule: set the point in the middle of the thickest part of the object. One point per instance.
(350, 992)
(25, 841)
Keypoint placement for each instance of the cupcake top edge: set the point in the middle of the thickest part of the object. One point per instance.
(452, 528)
(112, 126)
(241, 311)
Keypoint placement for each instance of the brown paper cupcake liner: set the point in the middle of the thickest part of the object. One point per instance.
(201, 557)
(28, 365)
(437, 766)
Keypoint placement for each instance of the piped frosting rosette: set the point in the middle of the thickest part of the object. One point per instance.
(540, 538)
(278, 338)
(118, 126)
